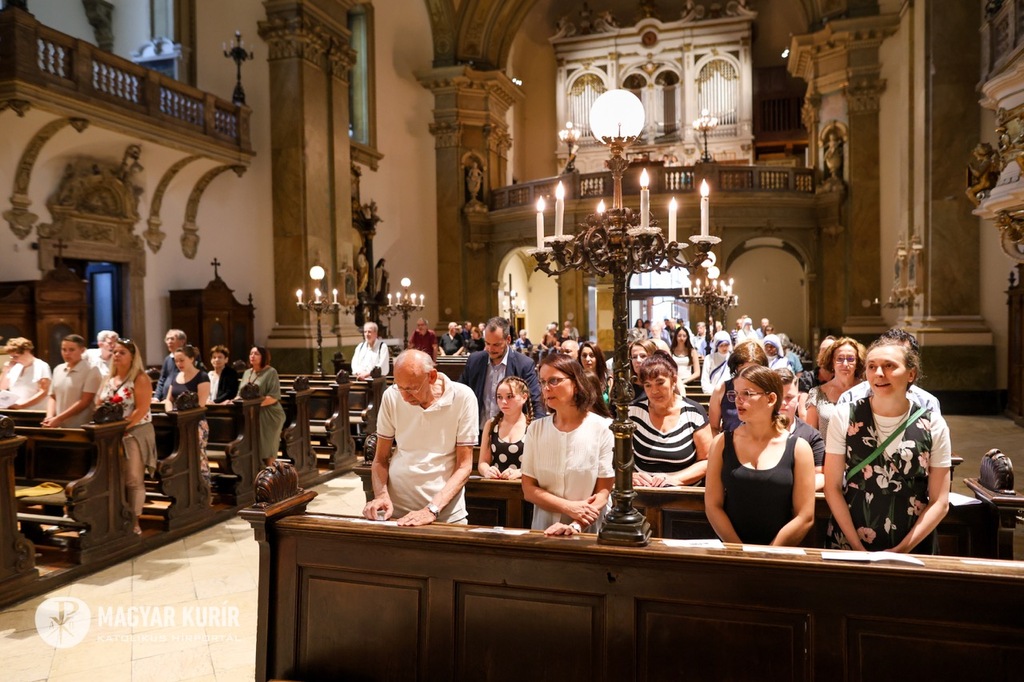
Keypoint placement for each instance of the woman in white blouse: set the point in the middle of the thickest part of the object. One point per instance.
(567, 460)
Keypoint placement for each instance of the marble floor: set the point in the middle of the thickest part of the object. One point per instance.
(179, 590)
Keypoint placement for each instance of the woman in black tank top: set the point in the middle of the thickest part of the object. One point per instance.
(760, 480)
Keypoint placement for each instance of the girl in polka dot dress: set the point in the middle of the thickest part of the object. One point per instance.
(501, 444)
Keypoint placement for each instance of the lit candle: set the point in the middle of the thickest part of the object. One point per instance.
(298, 295)
(672, 206)
(421, 299)
(335, 296)
(559, 208)
(704, 202)
(540, 223)
(317, 292)
(600, 207)
(389, 299)
(645, 199)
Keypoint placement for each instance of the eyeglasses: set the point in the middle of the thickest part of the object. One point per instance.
(741, 396)
(553, 382)
(412, 391)
(846, 360)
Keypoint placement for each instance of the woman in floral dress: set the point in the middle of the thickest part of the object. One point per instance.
(896, 501)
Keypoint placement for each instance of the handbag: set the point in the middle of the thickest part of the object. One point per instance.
(997, 472)
(881, 448)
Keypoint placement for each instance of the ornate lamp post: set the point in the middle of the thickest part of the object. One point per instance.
(618, 242)
(710, 291)
(704, 125)
(570, 136)
(512, 304)
(404, 303)
(318, 303)
(239, 54)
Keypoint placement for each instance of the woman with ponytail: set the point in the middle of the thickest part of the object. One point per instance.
(501, 444)
(760, 480)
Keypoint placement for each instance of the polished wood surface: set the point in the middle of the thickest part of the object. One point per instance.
(450, 603)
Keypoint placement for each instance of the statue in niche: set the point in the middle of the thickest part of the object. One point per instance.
(381, 284)
(474, 181)
(362, 270)
(833, 153)
(982, 172)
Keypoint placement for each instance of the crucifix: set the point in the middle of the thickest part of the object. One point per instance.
(216, 264)
(60, 244)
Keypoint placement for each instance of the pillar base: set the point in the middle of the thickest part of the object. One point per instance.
(625, 530)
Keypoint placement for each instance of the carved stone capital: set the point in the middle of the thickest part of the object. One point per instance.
(1011, 233)
(100, 14)
(304, 37)
(862, 96)
(18, 106)
(809, 112)
(446, 134)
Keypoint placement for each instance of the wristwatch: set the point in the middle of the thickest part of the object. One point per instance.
(433, 509)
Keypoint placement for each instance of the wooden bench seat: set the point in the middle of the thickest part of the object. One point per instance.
(234, 434)
(17, 553)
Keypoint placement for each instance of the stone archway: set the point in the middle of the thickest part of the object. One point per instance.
(771, 281)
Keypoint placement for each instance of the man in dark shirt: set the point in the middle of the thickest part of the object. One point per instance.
(452, 343)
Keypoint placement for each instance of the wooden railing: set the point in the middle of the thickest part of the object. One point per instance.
(663, 179)
(1002, 34)
(38, 63)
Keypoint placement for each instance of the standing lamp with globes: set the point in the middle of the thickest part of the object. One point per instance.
(403, 303)
(319, 304)
(619, 242)
(569, 136)
(703, 125)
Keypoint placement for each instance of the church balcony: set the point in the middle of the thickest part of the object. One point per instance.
(664, 180)
(44, 68)
(1002, 35)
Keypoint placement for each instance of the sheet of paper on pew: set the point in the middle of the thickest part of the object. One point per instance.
(358, 519)
(958, 500)
(701, 544)
(499, 530)
(7, 398)
(871, 557)
(768, 549)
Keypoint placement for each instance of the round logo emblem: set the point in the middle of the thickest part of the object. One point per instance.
(63, 622)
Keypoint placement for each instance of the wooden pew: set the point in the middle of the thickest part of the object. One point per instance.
(363, 404)
(234, 433)
(328, 411)
(179, 478)
(25, 417)
(296, 444)
(452, 600)
(1005, 509)
(451, 365)
(91, 509)
(679, 513)
(17, 554)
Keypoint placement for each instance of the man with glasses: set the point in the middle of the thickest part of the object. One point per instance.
(915, 393)
(433, 420)
(485, 369)
(371, 354)
(100, 356)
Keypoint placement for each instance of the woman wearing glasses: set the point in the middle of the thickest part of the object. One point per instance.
(887, 461)
(672, 435)
(191, 379)
(567, 461)
(845, 358)
(129, 387)
(722, 413)
(760, 482)
(264, 377)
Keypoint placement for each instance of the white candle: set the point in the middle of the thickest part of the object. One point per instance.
(559, 208)
(704, 202)
(600, 206)
(317, 292)
(540, 223)
(389, 299)
(298, 295)
(421, 299)
(672, 206)
(335, 295)
(645, 199)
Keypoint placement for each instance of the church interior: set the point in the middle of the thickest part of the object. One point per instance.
(863, 160)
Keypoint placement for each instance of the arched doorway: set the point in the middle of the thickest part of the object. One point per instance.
(770, 280)
(536, 293)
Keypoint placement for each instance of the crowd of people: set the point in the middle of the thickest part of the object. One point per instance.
(855, 426)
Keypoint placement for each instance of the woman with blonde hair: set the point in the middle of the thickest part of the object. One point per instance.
(845, 359)
(25, 375)
(760, 482)
(129, 387)
(502, 441)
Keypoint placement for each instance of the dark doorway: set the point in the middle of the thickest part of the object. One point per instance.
(103, 292)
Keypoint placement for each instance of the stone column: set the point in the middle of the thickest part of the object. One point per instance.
(309, 55)
(468, 127)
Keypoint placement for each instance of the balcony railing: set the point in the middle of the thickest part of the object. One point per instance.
(663, 179)
(1002, 35)
(54, 70)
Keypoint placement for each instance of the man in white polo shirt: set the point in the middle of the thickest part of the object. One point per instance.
(75, 383)
(434, 422)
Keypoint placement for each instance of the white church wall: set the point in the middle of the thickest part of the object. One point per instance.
(405, 186)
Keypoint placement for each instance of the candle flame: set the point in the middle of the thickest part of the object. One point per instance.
(644, 179)
(705, 190)
(600, 206)
(560, 191)
(540, 205)
(672, 205)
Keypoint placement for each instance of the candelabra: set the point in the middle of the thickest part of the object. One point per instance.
(905, 270)
(404, 303)
(704, 125)
(512, 303)
(239, 54)
(319, 304)
(619, 242)
(570, 135)
(710, 291)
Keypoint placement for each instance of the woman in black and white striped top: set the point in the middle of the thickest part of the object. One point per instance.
(672, 437)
